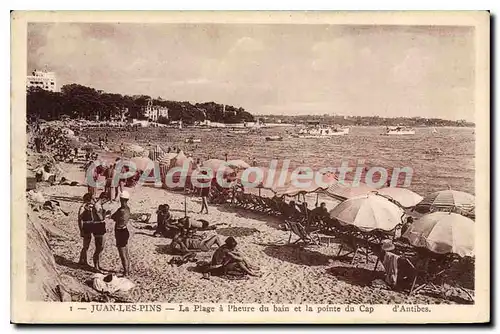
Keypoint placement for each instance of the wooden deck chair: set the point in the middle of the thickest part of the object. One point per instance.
(430, 273)
(299, 230)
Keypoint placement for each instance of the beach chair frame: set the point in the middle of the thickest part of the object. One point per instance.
(299, 230)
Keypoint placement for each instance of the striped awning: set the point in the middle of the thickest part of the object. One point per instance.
(165, 158)
(156, 153)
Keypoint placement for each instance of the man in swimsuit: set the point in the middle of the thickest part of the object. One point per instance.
(205, 191)
(185, 243)
(227, 259)
(121, 218)
(91, 222)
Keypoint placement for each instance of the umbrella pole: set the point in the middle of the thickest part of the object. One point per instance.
(259, 191)
(317, 199)
(185, 205)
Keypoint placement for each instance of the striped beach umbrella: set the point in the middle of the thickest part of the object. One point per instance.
(442, 233)
(447, 200)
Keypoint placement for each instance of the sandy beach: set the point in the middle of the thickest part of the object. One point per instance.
(290, 273)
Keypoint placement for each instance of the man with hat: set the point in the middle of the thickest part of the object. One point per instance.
(121, 218)
(390, 262)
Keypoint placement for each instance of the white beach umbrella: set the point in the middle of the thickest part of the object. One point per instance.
(403, 196)
(443, 232)
(368, 213)
(345, 190)
(240, 164)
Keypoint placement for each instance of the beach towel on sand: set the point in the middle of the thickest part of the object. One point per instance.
(111, 283)
(391, 268)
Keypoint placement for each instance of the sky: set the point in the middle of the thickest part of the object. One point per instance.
(387, 71)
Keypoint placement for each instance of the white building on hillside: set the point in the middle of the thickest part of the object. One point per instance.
(42, 79)
(153, 112)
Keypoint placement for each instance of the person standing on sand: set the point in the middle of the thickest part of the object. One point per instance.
(205, 191)
(121, 218)
(91, 222)
(118, 184)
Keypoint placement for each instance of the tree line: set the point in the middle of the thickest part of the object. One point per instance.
(80, 102)
(364, 120)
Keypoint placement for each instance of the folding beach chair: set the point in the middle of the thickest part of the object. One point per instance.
(299, 230)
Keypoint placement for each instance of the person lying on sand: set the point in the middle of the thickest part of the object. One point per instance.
(185, 242)
(227, 259)
(197, 225)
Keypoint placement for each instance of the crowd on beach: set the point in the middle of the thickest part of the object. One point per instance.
(188, 235)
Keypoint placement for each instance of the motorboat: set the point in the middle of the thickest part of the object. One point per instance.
(192, 140)
(274, 138)
(399, 130)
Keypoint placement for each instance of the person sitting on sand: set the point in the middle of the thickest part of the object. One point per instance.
(185, 242)
(167, 225)
(226, 259)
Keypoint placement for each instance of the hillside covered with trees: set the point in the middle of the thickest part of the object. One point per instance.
(77, 101)
(363, 120)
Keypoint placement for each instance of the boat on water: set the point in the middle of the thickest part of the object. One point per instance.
(399, 130)
(239, 131)
(434, 130)
(274, 138)
(193, 140)
(322, 132)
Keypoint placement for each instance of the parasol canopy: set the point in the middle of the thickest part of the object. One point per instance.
(135, 149)
(166, 158)
(238, 164)
(68, 132)
(443, 232)
(368, 212)
(217, 165)
(179, 159)
(403, 196)
(446, 200)
(306, 186)
(345, 190)
(142, 163)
